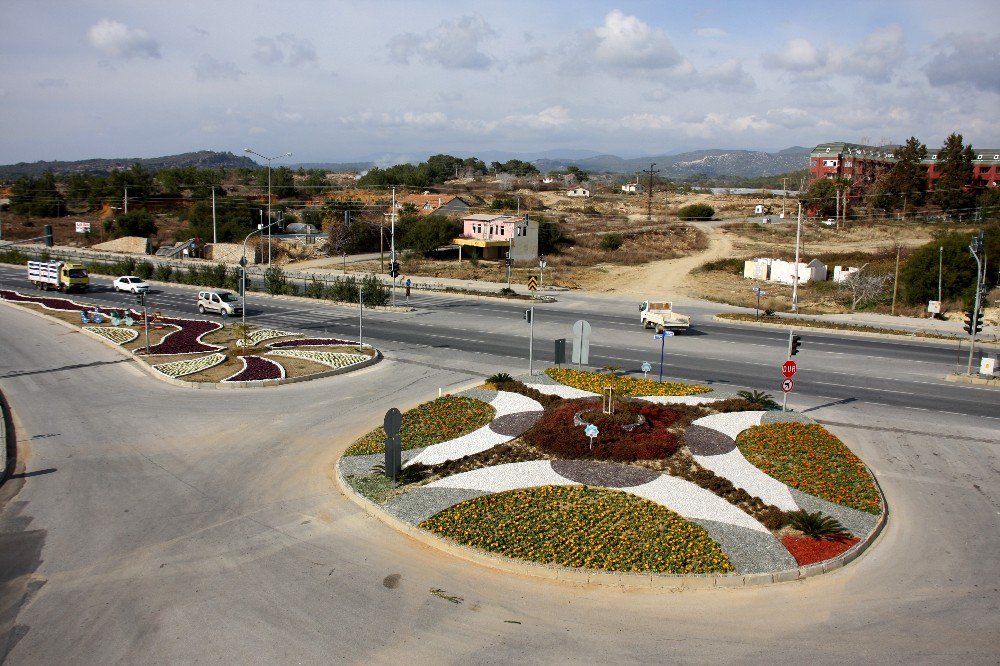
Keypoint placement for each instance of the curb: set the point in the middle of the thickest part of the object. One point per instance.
(156, 374)
(902, 335)
(656, 581)
(968, 379)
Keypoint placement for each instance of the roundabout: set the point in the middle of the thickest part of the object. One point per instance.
(666, 489)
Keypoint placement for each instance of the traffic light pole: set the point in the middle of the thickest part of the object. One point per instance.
(531, 338)
(788, 357)
(975, 312)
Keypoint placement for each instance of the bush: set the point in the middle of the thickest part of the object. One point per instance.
(611, 242)
(275, 281)
(698, 211)
(732, 265)
(163, 272)
(123, 266)
(144, 269)
(215, 276)
(815, 525)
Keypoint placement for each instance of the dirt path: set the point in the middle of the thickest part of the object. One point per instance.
(661, 279)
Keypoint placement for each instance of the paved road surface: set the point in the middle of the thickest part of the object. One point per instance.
(154, 524)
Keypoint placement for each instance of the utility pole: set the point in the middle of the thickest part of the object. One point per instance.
(126, 200)
(940, 269)
(215, 238)
(784, 194)
(649, 198)
(795, 277)
(392, 245)
(975, 247)
(895, 282)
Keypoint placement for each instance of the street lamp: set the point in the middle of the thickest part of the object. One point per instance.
(243, 264)
(268, 160)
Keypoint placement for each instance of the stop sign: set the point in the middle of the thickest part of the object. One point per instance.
(788, 369)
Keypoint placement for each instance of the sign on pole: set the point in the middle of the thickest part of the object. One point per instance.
(581, 342)
(393, 446)
(532, 283)
(789, 368)
(786, 385)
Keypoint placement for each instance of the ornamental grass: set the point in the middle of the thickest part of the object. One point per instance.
(595, 382)
(809, 458)
(433, 422)
(577, 526)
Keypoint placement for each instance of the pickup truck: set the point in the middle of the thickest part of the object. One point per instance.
(661, 316)
(61, 275)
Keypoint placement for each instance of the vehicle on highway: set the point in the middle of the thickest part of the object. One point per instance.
(220, 302)
(131, 283)
(661, 316)
(61, 275)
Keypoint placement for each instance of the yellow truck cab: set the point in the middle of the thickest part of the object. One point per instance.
(61, 275)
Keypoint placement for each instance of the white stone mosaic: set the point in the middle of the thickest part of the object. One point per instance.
(562, 391)
(731, 424)
(509, 476)
(694, 502)
(119, 336)
(190, 366)
(331, 359)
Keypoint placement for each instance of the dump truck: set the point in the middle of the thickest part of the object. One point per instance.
(61, 275)
(661, 316)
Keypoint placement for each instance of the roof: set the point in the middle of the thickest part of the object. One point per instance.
(887, 153)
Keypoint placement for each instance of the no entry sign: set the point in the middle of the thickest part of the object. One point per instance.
(786, 385)
(788, 369)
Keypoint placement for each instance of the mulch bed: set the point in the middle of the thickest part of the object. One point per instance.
(807, 550)
(707, 441)
(607, 475)
(514, 425)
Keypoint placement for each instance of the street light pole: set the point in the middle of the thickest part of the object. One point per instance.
(940, 269)
(795, 278)
(268, 160)
(243, 263)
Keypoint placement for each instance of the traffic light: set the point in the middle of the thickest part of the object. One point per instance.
(140, 298)
(394, 269)
(527, 316)
(48, 235)
(508, 260)
(970, 320)
(796, 343)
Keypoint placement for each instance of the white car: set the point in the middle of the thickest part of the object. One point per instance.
(829, 222)
(131, 283)
(220, 302)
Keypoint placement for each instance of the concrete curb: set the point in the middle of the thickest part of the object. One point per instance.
(966, 379)
(656, 581)
(903, 335)
(156, 374)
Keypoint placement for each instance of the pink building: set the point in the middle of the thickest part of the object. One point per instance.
(496, 235)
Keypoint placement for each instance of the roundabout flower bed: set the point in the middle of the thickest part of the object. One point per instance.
(809, 458)
(256, 336)
(330, 359)
(663, 494)
(583, 528)
(190, 366)
(257, 369)
(186, 339)
(119, 336)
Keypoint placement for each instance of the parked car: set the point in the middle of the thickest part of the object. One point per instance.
(220, 302)
(829, 222)
(131, 283)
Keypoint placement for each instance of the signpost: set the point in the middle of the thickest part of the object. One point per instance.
(786, 386)
(581, 343)
(760, 292)
(541, 268)
(646, 367)
(393, 446)
(532, 284)
(662, 336)
(789, 368)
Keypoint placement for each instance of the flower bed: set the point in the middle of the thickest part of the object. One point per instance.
(808, 457)
(807, 550)
(595, 382)
(331, 359)
(433, 422)
(556, 432)
(257, 369)
(258, 335)
(119, 336)
(584, 528)
(190, 366)
(313, 342)
(46, 302)
(187, 339)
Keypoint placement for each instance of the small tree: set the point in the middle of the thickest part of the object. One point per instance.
(866, 286)
(611, 242)
(698, 211)
(956, 168)
(275, 281)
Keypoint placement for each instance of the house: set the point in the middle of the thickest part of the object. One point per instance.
(757, 269)
(493, 236)
(434, 204)
(841, 273)
(785, 271)
(578, 191)
(631, 188)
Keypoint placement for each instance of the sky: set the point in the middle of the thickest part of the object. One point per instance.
(337, 81)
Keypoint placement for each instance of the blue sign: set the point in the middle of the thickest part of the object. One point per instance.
(591, 431)
(646, 367)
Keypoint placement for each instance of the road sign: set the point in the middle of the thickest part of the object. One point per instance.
(533, 283)
(581, 342)
(663, 334)
(786, 385)
(646, 366)
(758, 290)
(788, 369)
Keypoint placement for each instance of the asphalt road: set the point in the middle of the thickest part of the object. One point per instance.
(155, 524)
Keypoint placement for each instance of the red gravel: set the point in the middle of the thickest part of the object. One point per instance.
(807, 550)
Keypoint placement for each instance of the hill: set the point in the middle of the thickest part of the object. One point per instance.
(738, 163)
(205, 159)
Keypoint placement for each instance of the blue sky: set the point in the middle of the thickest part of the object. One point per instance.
(338, 81)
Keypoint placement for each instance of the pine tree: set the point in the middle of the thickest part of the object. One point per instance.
(956, 169)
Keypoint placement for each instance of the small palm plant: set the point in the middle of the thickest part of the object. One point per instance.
(816, 525)
(499, 378)
(759, 398)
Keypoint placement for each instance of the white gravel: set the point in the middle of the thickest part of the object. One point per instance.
(742, 474)
(731, 424)
(506, 403)
(509, 476)
(678, 399)
(562, 391)
(694, 502)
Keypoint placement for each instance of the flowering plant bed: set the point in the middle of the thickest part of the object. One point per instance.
(808, 457)
(595, 382)
(582, 527)
(186, 339)
(807, 550)
(436, 421)
(258, 335)
(190, 366)
(328, 358)
(63, 304)
(257, 369)
(119, 336)
(312, 342)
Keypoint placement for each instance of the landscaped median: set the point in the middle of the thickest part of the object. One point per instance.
(512, 473)
(199, 352)
(785, 321)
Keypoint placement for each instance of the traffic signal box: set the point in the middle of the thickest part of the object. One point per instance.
(973, 322)
(796, 343)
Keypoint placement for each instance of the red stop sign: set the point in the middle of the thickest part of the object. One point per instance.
(788, 369)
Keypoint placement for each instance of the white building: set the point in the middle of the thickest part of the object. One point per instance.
(841, 273)
(785, 271)
(578, 191)
(631, 188)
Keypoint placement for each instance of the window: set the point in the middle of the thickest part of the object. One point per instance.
(503, 230)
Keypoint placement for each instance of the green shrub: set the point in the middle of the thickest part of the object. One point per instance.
(698, 211)
(815, 524)
(758, 399)
(314, 288)
(144, 269)
(731, 265)
(611, 242)
(163, 272)
(123, 266)
(215, 276)
(499, 378)
(275, 281)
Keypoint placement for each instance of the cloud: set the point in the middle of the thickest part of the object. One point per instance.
(875, 59)
(789, 117)
(209, 69)
(731, 76)
(711, 33)
(623, 43)
(285, 49)
(117, 40)
(798, 55)
(452, 45)
(52, 83)
(550, 117)
(970, 59)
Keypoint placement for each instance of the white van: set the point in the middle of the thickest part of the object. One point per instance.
(220, 302)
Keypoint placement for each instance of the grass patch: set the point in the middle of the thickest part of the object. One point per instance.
(623, 386)
(809, 458)
(584, 528)
(433, 422)
(376, 487)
